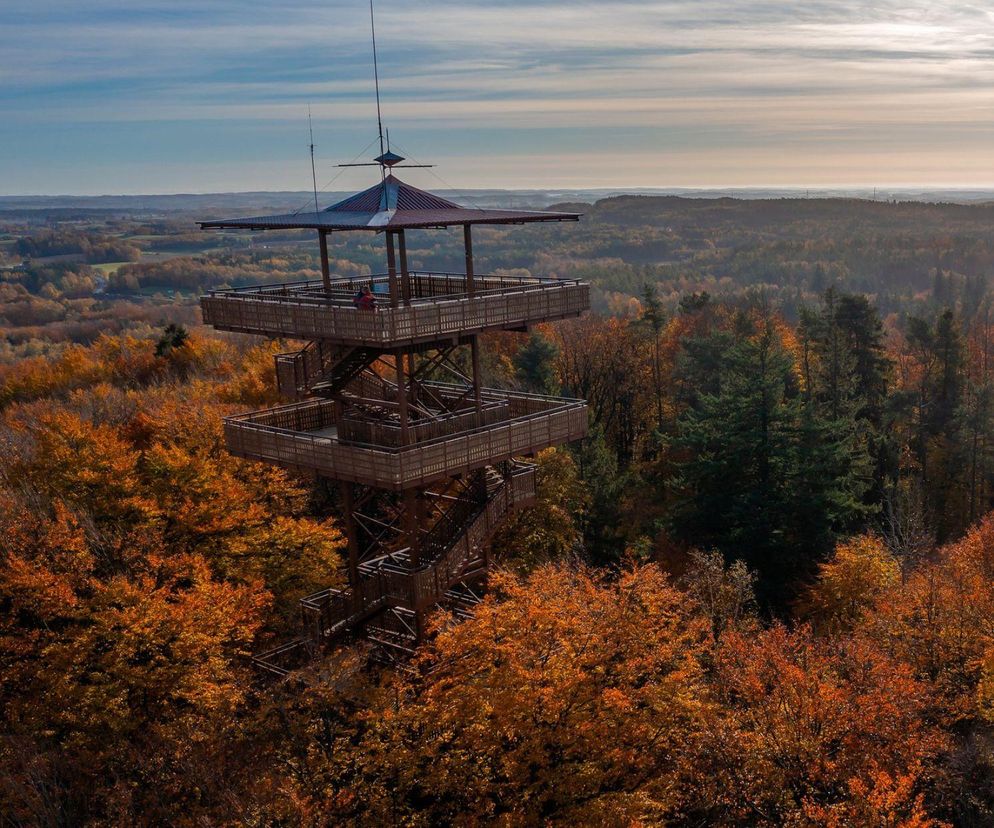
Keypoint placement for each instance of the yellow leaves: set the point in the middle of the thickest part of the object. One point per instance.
(200, 498)
(88, 465)
(549, 530)
(30, 379)
(860, 570)
(292, 556)
(985, 687)
(939, 620)
(254, 383)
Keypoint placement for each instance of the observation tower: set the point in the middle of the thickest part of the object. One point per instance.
(386, 399)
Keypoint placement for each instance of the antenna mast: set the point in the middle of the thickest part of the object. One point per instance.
(376, 79)
(386, 160)
(314, 177)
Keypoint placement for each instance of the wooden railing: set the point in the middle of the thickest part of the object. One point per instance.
(425, 286)
(305, 311)
(284, 435)
(356, 429)
(295, 371)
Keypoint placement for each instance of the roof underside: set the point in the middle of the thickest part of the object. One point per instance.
(390, 205)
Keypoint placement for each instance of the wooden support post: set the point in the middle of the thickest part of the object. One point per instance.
(467, 235)
(412, 525)
(392, 269)
(351, 533)
(414, 395)
(405, 275)
(398, 358)
(325, 268)
(474, 345)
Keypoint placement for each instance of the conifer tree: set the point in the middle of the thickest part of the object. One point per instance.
(767, 473)
(534, 365)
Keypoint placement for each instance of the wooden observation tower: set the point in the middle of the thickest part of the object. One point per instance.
(386, 399)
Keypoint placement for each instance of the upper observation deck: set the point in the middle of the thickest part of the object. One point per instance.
(421, 307)
(408, 307)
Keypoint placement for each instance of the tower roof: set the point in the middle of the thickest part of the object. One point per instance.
(390, 205)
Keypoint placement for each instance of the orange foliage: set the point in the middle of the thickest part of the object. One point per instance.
(139, 562)
(566, 695)
(811, 725)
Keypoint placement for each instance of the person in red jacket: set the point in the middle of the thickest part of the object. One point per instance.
(365, 300)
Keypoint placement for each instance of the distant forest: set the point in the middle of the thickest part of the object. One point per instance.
(760, 592)
(905, 256)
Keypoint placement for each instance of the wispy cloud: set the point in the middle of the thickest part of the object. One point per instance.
(653, 93)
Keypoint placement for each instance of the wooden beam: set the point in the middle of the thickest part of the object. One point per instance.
(412, 525)
(351, 532)
(405, 275)
(401, 396)
(474, 345)
(392, 269)
(467, 235)
(325, 268)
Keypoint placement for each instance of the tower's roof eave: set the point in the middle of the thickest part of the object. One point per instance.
(389, 205)
(388, 220)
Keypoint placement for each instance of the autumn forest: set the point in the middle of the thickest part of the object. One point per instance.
(760, 592)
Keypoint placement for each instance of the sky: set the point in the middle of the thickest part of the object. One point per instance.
(167, 96)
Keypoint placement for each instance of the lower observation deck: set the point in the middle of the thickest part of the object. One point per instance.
(438, 306)
(309, 436)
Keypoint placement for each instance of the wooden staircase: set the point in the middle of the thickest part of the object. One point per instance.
(390, 591)
(320, 369)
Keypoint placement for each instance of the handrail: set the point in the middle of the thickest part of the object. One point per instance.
(352, 281)
(300, 293)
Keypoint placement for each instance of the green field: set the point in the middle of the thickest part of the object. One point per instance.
(109, 268)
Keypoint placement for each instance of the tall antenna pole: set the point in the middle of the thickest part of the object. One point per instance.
(314, 176)
(376, 80)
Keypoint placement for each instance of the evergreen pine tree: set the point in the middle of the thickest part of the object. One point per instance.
(772, 470)
(534, 365)
(734, 486)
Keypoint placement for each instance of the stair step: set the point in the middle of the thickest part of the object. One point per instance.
(406, 646)
(281, 660)
(336, 615)
(344, 371)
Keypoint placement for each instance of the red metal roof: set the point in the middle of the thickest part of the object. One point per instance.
(390, 205)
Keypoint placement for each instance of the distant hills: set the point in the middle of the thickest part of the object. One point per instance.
(288, 201)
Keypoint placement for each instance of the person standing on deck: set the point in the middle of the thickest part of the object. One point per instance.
(365, 300)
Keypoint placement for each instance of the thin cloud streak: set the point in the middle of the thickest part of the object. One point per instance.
(769, 89)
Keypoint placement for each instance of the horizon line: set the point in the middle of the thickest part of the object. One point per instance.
(533, 189)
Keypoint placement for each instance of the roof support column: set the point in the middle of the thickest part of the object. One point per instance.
(325, 268)
(467, 235)
(412, 374)
(405, 275)
(474, 345)
(392, 269)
